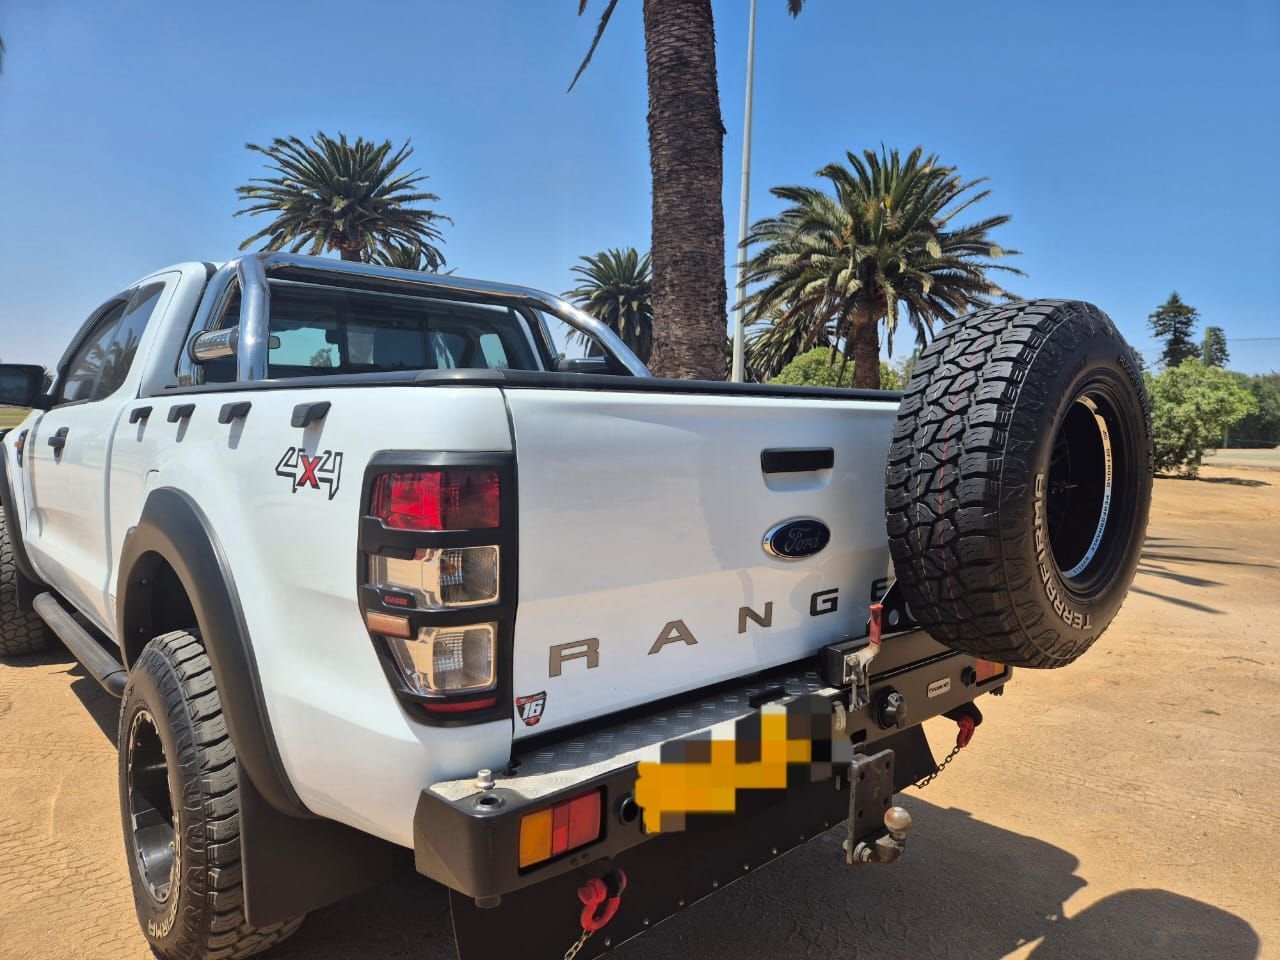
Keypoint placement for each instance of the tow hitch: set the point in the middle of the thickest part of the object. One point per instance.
(870, 799)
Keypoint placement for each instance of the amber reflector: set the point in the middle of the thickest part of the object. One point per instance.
(559, 829)
(987, 669)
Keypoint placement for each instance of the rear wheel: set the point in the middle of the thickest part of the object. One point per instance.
(21, 631)
(1019, 482)
(179, 802)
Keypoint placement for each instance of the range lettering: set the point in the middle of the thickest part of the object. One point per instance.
(677, 633)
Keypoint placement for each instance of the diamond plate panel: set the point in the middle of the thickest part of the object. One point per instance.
(549, 767)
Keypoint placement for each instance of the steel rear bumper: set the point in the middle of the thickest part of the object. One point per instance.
(469, 839)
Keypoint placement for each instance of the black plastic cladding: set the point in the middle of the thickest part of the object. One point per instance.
(376, 537)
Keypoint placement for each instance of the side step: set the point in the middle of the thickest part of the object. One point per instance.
(95, 658)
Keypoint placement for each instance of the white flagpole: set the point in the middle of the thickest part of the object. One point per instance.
(737, 373)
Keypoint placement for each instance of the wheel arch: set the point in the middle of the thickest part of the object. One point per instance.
(293, 861)
(29, 582)
(172, 544)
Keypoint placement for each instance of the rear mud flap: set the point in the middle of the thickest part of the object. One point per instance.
(676, 870)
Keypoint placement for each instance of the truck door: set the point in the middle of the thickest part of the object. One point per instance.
(70, 451)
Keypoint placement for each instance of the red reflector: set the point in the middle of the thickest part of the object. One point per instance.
(575, 822)
(459, 706)
(438, 500)
(584, 819)
(559, 828)
(986, 669)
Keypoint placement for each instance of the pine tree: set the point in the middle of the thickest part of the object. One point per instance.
(1174, 322)
(1214, 349)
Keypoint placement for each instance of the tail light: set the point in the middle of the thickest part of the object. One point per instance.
(436, 590)
(559, 829)
(985, 670)
(444, 660)
(438, 500)
(440, 578)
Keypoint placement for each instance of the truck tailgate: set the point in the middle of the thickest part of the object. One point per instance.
(642, 519)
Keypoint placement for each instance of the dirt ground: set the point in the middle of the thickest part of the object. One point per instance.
(1125, 807)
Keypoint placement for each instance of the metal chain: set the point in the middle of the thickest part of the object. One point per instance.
(921, 784)
(582, 940)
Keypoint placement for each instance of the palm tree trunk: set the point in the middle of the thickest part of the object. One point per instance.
(686, 157)
(866, 350)
(350, 253)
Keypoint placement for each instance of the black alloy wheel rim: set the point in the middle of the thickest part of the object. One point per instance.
(1086, 502)
(153, 830)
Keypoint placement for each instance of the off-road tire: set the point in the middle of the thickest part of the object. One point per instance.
(1019, 481)
(22, 632)
(171, 702)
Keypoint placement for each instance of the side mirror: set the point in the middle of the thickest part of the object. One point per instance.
(22, 385)
(582, 365)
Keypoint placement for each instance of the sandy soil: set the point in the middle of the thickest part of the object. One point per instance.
(1125, 807)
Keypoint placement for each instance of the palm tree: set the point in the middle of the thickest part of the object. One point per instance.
(404, 257)
(686, 159)
(336, 195)
(880, 243)
(617, 289)
(770, 344)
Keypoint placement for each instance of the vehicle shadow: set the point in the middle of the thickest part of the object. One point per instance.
(1233, 481)
(100, 705)
(965, 889)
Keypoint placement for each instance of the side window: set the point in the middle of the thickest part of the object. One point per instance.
(127, 336)
(103, 361)
(80, 381)
(495, 354)
(223, 370)
(298, 347)
(565, 342)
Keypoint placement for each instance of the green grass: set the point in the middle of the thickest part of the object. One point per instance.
(10, 417)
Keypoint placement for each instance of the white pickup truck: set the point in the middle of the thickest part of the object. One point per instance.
(377, 572)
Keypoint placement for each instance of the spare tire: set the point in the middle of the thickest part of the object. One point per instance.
(1019, 481)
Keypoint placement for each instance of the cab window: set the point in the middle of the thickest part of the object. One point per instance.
(101, 363)
(317, 330)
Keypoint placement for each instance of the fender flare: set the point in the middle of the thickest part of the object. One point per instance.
(174, 529)
(29, 582)
(293, 860)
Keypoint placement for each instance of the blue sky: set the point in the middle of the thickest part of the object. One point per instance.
(1133, 143)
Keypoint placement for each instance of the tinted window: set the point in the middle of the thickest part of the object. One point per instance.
(319, 330)
(102, 362)
(80, 381)
(495, 354)
(304, 344)
(127, 336)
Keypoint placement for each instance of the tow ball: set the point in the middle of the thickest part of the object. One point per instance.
(886, 848)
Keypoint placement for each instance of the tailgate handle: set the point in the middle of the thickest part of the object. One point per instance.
(797, 459)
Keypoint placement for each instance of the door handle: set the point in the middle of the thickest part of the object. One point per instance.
(59, 439)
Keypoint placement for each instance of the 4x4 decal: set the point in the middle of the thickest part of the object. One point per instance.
(302, 470)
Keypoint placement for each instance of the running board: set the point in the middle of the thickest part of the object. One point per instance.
(95, 658)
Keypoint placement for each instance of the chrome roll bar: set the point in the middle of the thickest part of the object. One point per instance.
(250, 274)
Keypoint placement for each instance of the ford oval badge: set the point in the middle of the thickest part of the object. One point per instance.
(796, 538)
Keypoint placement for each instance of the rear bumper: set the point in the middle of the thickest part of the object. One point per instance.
(469, 839)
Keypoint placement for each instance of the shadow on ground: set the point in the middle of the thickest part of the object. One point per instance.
(1233, 481)
(965, 889)
(100, 705)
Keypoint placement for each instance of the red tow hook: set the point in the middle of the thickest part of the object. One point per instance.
(965, 733)
(600, 898)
